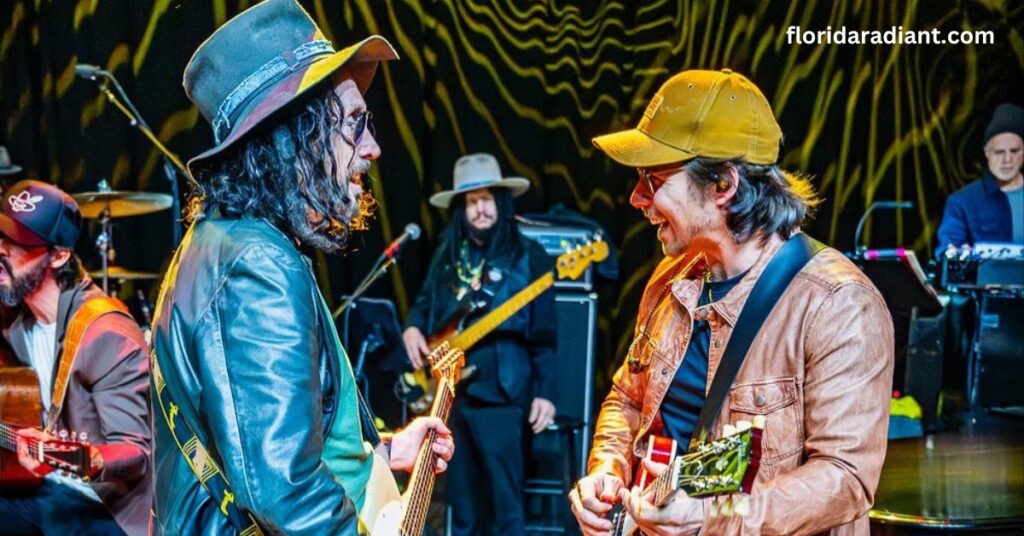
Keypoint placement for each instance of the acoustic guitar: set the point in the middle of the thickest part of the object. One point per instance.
(21, 407)
(725, 467)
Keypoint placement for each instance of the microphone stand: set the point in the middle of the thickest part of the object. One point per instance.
(858, 248)
(171, 162)
(379, 269)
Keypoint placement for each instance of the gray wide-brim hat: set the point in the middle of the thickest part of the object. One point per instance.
(262, 60)
(6, 167)
(476, 171)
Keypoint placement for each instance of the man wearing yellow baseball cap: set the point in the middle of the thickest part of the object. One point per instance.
(745, 319)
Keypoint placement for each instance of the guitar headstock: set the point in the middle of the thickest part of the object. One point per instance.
(724, 466)
(574, 262)
(69, 454)
(446, 362)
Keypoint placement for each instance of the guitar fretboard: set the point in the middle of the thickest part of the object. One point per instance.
(421, 482)
(493, 319)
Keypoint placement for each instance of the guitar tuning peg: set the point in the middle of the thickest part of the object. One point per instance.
(742, 426)
(759, 422)
(727, 507)
(743, 505)
(728, 430)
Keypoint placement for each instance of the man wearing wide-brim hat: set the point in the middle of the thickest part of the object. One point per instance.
(485, 260)
(258, 421)
(818, 368)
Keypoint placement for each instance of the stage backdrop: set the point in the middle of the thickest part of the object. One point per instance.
(533, 82)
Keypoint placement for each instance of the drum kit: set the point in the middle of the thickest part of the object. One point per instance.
(106, 204)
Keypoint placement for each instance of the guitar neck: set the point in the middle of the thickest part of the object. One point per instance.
(493, 319)
(421, 482)
(8, 438)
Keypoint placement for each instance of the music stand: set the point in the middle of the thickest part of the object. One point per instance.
(901, 280)
(370, 327)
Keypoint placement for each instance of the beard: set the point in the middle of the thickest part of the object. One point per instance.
(21, 286)
(331, 232)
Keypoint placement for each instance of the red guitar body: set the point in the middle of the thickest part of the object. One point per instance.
(659, 450)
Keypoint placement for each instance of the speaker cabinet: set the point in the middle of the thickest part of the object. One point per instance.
(577, 326)
(924, 364)
(998, 359)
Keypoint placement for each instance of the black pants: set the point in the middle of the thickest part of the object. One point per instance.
(54, 509)
(486, 474)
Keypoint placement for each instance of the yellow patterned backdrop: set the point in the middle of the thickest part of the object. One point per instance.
(533, 81)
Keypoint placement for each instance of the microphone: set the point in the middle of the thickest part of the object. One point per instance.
(89, 72)
(412, 232)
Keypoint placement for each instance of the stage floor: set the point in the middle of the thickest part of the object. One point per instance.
(970, 478)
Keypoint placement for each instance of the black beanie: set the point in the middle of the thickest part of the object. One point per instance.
(1007, 118)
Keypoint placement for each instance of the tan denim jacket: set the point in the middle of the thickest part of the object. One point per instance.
(820, 371)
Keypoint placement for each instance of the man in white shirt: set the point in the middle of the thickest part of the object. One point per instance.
(43, 292)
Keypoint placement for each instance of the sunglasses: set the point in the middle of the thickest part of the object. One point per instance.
(657, 176)
(360, 124)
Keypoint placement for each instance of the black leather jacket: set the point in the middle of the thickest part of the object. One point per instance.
(517, 361)
(242, 337)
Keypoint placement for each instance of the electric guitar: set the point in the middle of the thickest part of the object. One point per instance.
(21, 407)
(569, 265)
(407, 516)
(723, 467)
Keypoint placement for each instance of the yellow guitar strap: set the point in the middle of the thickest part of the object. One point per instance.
(79, 324)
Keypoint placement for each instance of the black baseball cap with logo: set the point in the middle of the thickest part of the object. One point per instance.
(34, 213)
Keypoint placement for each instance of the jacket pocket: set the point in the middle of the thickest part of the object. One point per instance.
(776, 400)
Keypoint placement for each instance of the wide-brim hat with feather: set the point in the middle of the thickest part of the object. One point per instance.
(263, 59)
(476, 171)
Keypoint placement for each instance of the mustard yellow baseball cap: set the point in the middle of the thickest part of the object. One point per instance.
(711, 114)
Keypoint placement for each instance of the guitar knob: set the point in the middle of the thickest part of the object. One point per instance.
(63, 435)
(83, 437)
(743, 505)
(74, 435)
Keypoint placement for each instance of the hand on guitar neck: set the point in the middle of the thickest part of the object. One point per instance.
(406, 443)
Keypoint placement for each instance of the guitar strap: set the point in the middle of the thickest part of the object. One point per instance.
(773, 282)
(197, 457)
(79, 324)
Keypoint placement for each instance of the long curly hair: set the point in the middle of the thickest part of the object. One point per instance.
(288, 173)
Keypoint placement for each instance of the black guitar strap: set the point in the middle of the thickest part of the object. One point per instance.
(790, 259)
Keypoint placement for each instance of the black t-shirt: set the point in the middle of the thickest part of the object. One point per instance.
(685, 397)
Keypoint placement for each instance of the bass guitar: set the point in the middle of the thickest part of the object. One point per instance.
(726, 466)
(569, 265)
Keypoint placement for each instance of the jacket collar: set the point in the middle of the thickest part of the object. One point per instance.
(990, 183)
(687, 289)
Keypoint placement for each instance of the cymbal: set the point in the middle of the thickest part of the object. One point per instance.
(116, 272)
(121, 203)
